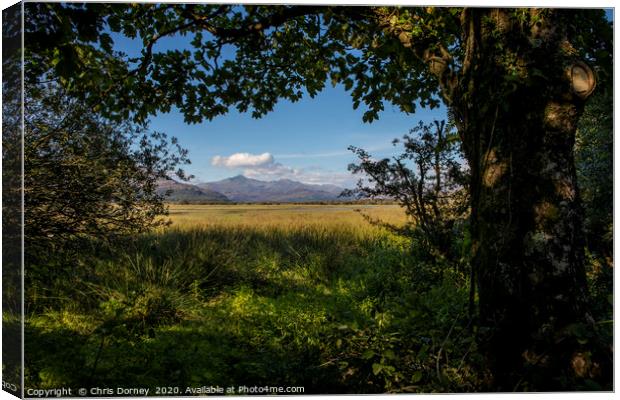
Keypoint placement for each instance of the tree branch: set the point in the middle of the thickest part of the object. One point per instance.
(429, 51)
(256, 26)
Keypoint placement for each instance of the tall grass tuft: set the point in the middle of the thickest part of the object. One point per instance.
(255, 295)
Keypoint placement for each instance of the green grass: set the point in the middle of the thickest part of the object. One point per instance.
(309, 296)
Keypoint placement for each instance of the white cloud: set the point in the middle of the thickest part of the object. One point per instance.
(271, 172)
(243, 160)
(315, 176)
(264, 167)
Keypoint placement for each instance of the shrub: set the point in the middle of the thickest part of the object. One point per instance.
(427, 179)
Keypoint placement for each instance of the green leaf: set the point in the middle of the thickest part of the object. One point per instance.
(389, 354)
(377, 368)
(368, 354)
(416, 377)
(106, 42)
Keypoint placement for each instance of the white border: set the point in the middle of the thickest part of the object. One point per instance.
(481, 3)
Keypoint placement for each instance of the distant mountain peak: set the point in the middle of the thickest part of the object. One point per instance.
(239, 177)
(243, 189)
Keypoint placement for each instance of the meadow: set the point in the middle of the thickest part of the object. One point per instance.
(276, 295)
(284, 216)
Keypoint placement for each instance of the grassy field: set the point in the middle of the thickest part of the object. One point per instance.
(286, 295)
(294, 216)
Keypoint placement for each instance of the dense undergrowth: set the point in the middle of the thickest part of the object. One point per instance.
(333, 310)
(327, 309)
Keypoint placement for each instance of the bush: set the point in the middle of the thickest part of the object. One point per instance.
(87, 177)
(427, 180)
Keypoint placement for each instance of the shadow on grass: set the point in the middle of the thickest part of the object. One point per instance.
(248, 306)
(227, 347)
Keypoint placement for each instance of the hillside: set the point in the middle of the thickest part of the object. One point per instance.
(242, 189)
(187, 193)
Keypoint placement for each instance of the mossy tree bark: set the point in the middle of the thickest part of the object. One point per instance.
(517, 101)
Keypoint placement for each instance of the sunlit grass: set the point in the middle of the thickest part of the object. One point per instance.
(293, 216)
(242, 294)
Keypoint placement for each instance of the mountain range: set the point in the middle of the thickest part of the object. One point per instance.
(246, 190)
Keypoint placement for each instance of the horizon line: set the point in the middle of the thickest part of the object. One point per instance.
(196, 181)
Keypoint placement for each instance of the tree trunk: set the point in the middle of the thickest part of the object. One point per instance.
(518, 106)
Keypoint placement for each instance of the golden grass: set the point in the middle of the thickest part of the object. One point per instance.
(283, 216)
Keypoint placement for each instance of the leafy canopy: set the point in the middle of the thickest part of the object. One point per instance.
(247, 57)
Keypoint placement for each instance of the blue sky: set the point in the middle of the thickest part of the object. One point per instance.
(305, 141)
